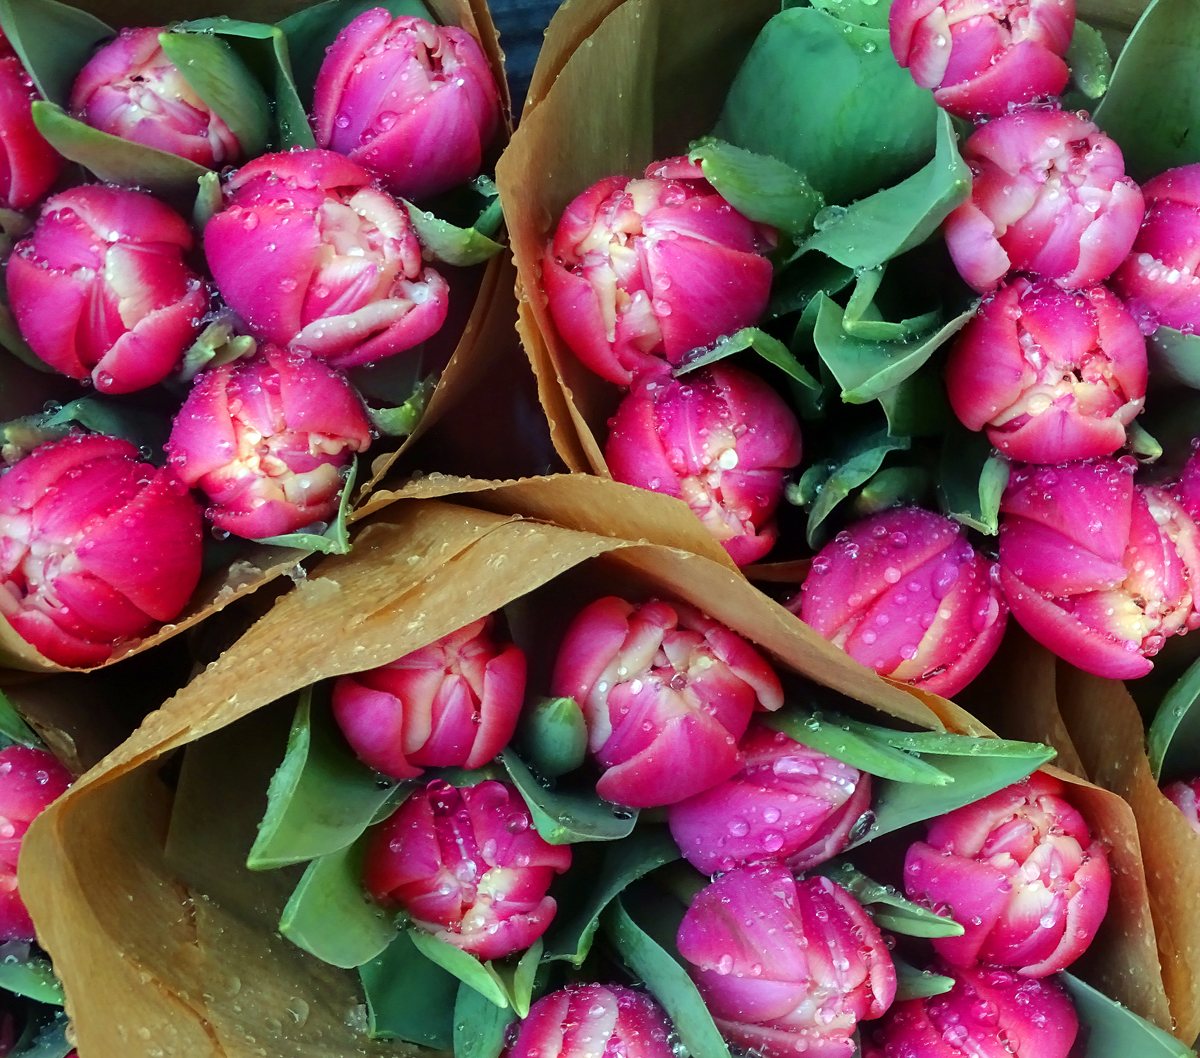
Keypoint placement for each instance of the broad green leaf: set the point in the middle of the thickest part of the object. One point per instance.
(1173, 741)
(565, 816)
(912, 983)
(465, 967)
(553, 735)
(891, 487)
(53, 40)
(828, 99)
(28, 976)
(335, 539)
(331, 916)
(409, 997)
(516, 977)
(1091, 67)
(1176, 355)
(13, 728)
(43, 1037)
(873, 13)
(479, 1025)
(401, 421)
(145, 430)
(1114, 1032)
(941, 742)
(769, 348)
(759, 186)
(802, 280)
(918, 406)
(448, 242)
(887, 907)
(1152, 106)
(972, 479)
(863, 320)
(321, 798)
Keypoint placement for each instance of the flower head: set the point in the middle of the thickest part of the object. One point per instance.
(589, 1020)
(28, 164)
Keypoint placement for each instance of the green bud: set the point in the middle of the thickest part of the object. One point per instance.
(554, 736)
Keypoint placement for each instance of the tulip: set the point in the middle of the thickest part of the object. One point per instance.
(591, 1020)
(100, 287)
(95, 547)
(1183, 796)
(904, 593)
(28, 164)
(785, 966)
(414, 103)
(468, 867)
(982, 58)
(1095, 569)
(454, 703)
(30, 779)
(1049, 195)
(1187, 490)
(268, 440)
(642, 269)
(317, 261)
(989, 1013)
(1019, 872)
(789, 804)
(1052, 375)
(666, 693)
(132, 90)
(1160, 279)
(722, 440)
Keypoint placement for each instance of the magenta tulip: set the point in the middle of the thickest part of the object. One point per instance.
(1020, 873)
(1183, 796)
(666, 693)
(989, 1013)
(1049, 195)
(1096, 569)
(28, 164)
(983, 58)
(904, 593)
(95, 547)
(468, 867)
(1053, 375)
(268, 440)
(656, 267)
(316, 260)
(414, 103)
(594, 1021)
(789, 804)
(785, 966)
(1187, 489)
(100, 287)
(454, 703)
(720, 439)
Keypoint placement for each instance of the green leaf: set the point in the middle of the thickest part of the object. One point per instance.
(918, 406)
(891, 487)
(769, 348)
(409, 997)
(1091, 67)
(863, 320)
(802, 280)
(565, 816)
(554, 736)
(1114, 1032)
(889, 222)
(330, 914)
(335, 540)
(912, 983)
(54, 41)
(1142, 444)
(828, 99)
(873, 13)
(516, 978)
(479, 1025)
(14, 728)
(492, 215)
(889, 909)
(972, 479)
(448, 242)
(1173, 741)
(215, 345)
(402, 421)
(28, 976)
(145, 430)
(43, 1038)
(209, 201)
(1176, 355)
(465, 967)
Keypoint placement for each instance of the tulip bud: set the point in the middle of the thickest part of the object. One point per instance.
(789, 804)
(468, 867)
(100, 287)
(1019, 872)
(786, 966)
(451, 704)
(414, 103)
(587, 1021)
(989, 1013)
(981, 59)
(720, 439)
(1095, 569)
(1049, 195)
(28, 164)
(1183, 796)
(642, 269)
(666, 693)
(30, 779)
(554, 736)
(904, 593)
(267, 440)
(317, 261)
(1054, 376)
(95, 547)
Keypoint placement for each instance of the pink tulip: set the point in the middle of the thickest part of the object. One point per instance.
(982, 58)
(1096, 569)
(989, 1013)
(1183, 796)
(1020, 873)
(1187, 490)
(1052, 375)
(666, 693)
(468, 867)
(267, 440)
(454, 703)
(789, 804)
(1160, 279)
(132, 90)
(100, 287)
(594, 1021)
(414, 103)
(720, 439)
(95, 547)
(642, 269)
(28, 164)
(904, 593)
(1049, 196)
(316, 260)
(785, 966)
